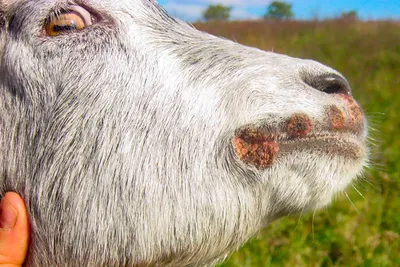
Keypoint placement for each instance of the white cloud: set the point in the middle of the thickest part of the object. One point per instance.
(193, 10)
(240, 14)
(186, 12)
(238, 3)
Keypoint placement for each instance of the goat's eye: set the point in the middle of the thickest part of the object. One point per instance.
(68, 20)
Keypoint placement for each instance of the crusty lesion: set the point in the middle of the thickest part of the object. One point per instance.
(298, 125)
(255, 148)
(354, 121)
(260, 146)
(336, 118)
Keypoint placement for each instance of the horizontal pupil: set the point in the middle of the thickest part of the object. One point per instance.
(60, 28)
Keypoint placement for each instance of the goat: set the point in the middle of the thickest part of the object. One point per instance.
(137, 140)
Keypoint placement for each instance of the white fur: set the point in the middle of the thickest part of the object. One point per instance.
(119, 137)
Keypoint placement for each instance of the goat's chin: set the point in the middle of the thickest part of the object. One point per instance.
(307, 181)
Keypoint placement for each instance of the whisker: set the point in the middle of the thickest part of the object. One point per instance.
(345, 193)
(312, 225)
(300, 217)
(355, 188)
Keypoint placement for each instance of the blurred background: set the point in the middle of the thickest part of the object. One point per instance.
(361, 39)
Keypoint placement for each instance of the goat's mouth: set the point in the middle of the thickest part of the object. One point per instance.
(261, 146)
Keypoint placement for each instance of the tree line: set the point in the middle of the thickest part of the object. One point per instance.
(277, 10)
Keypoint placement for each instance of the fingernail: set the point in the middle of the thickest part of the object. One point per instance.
(8, 215)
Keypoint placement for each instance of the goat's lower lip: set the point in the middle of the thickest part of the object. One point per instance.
(335, 145)
(260, 148)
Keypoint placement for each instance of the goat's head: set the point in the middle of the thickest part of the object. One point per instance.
(138, 140)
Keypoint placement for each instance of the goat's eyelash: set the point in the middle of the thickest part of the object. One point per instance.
(57, 13)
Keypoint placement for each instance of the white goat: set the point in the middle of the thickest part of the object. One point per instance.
(137, 140)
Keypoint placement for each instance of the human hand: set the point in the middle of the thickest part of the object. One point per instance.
(14, 230)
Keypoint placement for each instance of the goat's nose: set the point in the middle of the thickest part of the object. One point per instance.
(329, 83)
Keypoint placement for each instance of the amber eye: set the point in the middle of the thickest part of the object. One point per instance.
(74, 18)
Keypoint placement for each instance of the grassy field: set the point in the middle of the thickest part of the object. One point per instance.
(365, 231)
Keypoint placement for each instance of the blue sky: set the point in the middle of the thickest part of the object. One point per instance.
(191, 10)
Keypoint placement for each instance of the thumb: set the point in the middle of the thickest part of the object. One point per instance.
(14, 230)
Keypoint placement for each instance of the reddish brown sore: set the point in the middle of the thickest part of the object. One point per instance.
(356, 114)
(298, 125)
(254, 148)
(336, 118)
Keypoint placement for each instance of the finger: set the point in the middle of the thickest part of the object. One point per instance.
(14, 230)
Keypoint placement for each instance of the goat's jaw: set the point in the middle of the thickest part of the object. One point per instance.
(304, 161)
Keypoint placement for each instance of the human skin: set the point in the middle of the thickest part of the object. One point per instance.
(14, 230)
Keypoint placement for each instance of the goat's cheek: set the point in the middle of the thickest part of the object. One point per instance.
(259, 153)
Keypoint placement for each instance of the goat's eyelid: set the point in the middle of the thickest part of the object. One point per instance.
(69, 19)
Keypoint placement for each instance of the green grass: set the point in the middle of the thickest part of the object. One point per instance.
(367, 232)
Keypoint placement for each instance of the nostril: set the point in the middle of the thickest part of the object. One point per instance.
(329, 83)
